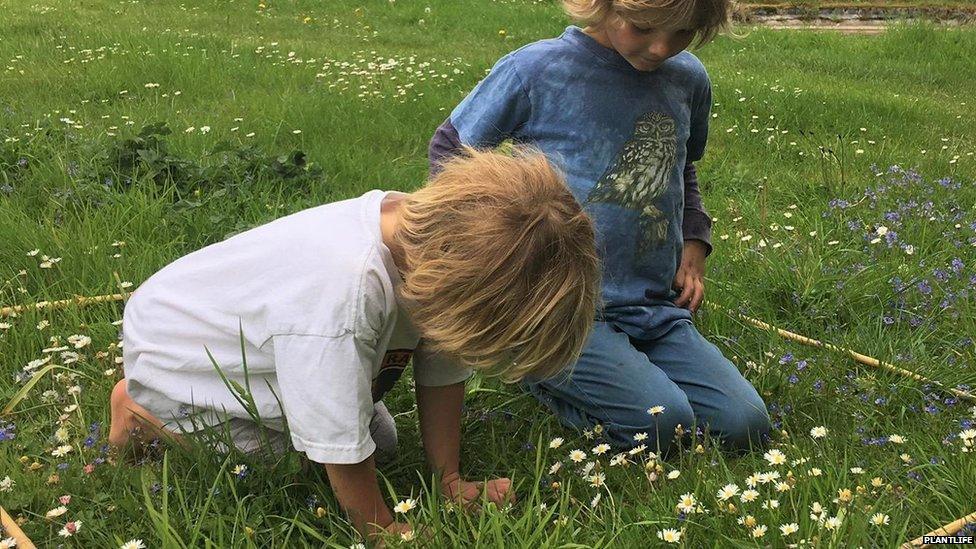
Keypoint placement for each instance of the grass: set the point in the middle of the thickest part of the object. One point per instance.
(830, 159)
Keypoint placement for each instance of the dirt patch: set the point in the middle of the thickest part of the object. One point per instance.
(862, 19)
(848, 18)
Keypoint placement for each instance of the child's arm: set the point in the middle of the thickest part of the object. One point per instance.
(359, 495)
(696, 226)
(440, 429)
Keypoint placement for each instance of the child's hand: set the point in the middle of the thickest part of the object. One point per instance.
(467, 494)
(690, 278)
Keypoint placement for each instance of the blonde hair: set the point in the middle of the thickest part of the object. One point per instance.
(706, 17)
(500, 264)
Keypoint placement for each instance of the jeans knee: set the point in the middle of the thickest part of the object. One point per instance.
(745, 429)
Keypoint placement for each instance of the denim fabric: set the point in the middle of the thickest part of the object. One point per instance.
(618, 378)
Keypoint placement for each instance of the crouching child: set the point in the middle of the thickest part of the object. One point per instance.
(490, 266)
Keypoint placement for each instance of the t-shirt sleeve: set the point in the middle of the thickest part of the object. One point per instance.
(698, 130)
(325, 392)
(432, 369)
(495, 109)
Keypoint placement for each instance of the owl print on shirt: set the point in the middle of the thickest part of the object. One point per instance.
(640, 175)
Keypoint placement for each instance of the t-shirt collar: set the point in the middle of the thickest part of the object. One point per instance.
(576, 36)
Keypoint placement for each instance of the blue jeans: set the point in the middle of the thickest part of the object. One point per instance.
(618, 378)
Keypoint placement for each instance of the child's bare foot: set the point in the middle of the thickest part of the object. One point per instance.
(132, 424)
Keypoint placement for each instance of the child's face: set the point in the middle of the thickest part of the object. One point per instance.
(646, 48)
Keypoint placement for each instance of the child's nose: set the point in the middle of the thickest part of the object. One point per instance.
(662, 48)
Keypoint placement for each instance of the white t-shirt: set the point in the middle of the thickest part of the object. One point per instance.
(310, 301)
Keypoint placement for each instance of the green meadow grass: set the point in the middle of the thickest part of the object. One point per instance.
(840, 172)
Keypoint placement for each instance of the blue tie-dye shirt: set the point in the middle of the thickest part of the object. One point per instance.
(622, 137)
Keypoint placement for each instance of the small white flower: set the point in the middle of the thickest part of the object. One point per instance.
(70, 529)
(669, 535)
(637, 449)
(775, 457)
(597, 480)
(596, 499)
(56, 512)
(656, 410)
(7, 484)
(818, 432)
(555, 468)
(674, 474)
(61, 451)
(832, 523)
(79, 341)
(600, 449)
(896, 439)
(640, 437)
(687, 503)
(556, 443)
(771, 504)
(204, 129)
(405, 506)
(133, 544)
(749, 496)
(790, 528)
(759, 531)
(727, 492)
(587, 468)
(577, 456)
(880, 519)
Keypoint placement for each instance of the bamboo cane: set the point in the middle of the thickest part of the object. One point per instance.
(79, 300)
(863, 359)
(12, 529)
(948, 530)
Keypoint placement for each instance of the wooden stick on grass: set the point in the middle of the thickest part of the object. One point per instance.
(12, 529)
(863, 359)
(948, 530)
(79, 300)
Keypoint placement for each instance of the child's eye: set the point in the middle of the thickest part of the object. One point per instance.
(645, 30)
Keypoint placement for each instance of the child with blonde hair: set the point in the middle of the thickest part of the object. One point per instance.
(491, 266)
(624, 109)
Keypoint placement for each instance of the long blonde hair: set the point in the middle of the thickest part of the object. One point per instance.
(500, 264)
